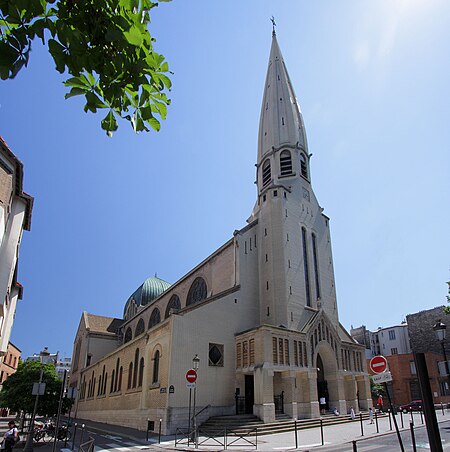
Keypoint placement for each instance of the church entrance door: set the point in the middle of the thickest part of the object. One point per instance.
(249, 394)
(322, 385)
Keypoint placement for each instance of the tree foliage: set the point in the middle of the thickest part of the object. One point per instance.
(447, 308)
(105, 46)
(16, 391)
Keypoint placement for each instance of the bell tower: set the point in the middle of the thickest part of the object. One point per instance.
(296, 276)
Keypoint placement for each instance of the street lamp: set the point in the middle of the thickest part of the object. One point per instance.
(440, 329)
(43, 359)
(195, 364)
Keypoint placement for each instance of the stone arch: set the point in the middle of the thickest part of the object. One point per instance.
(173, 305)
(140, 327)
(329, 384)
(197, 292)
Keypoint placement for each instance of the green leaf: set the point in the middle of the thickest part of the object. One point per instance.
(75, 92)
(57, 52)
(109, 122)
(133, 36)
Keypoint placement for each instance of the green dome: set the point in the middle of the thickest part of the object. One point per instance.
(151, 289)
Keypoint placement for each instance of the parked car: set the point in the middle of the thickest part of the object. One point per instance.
(415, 405)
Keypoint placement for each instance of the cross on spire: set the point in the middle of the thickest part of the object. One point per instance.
(272, 19)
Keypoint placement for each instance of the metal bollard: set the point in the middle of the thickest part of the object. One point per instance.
(355, 449)
(361, 422)
(421, 416)
(401, 417)
(442, 408)
(413, 437)
(296, 437)
(74, 434)
(376, 422)
(390, 419)
(82, 433)
(321, 431)
(159, 433)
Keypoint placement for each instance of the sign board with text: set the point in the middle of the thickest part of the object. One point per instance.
(382, 378)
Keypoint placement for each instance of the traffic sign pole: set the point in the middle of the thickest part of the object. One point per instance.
(395, 419)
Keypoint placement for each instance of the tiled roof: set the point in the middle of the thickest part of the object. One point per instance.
(101, 324)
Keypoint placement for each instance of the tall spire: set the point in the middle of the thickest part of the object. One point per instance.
(281, 121)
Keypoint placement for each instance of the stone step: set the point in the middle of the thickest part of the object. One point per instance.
(218, 425)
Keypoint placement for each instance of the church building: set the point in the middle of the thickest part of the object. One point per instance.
(260, 313)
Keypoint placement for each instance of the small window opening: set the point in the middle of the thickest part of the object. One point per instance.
(303, 166)
(285, 163)
(267, 285)
(275, 193)
(264, 197)
(266, 173)
(268, 311)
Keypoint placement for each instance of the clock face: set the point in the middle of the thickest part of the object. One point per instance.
(305, 194)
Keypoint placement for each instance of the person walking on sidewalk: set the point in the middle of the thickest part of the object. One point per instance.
(371, 415)
(352, 413)
(11, 437)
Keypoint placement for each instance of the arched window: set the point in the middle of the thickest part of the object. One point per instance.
(285, 163)
(266, 174)
(105, 382)
(136, 363)
(139, 328)
(128, 335)
(197, 292)
(77, 355)
(99, 385)
(306, 267)
(111, 389)
(173, 305)
(119, 385)
(155, 318)
(316, 265)
(155, 378)
(303, 166)
(117, 374)
(141, 372)
(130, 375)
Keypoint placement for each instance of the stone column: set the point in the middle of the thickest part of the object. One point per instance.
(337, 393)
(308, 405)
(350, 392)
(289, 385)
(264, 406)
(365, 397)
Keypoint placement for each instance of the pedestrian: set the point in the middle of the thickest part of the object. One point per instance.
(11, 437)
(335, 411)
(323, 404)
(352, 413)
(380, 402)
(371, 415)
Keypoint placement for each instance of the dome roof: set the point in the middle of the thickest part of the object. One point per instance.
(148, 291)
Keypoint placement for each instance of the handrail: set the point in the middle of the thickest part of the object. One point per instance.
(203, 409)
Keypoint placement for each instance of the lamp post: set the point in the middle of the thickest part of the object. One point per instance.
(440, 329)
(195, 364)
(43, 358)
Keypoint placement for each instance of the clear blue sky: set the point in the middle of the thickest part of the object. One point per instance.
(372, 78)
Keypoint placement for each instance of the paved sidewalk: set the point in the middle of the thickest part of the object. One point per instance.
(308, 439)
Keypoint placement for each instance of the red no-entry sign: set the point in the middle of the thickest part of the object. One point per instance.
(191, 376)
(378, 364)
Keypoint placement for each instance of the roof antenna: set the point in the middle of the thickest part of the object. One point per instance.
(272, 19)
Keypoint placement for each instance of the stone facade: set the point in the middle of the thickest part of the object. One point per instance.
(420, 326)
(15, 216)
(260, 313)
